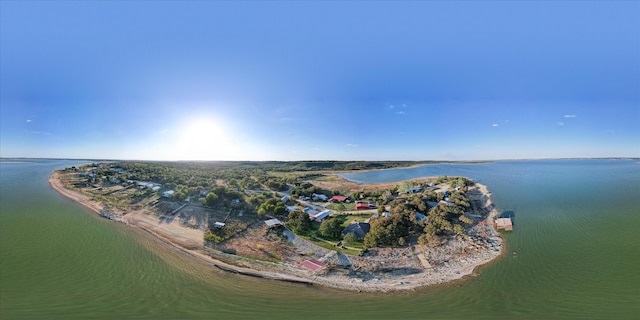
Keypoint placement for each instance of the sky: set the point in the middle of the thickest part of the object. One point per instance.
(206, 80)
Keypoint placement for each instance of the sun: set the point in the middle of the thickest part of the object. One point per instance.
(203, 139)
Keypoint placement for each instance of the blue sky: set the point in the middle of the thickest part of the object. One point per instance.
(319, 80)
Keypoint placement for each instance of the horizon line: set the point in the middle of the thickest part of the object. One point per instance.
(312, 160)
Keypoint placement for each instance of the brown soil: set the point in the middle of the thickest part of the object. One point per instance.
(333, 182)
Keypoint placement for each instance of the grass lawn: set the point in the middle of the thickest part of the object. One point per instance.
(349, 218)
(332, 246)
(342, 206)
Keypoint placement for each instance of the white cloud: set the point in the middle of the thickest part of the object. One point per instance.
(352, 145)
(28, 120)
(495, 125)
(400, 112)
(560, 123)
(569, 115)
(391, 106)
(38, 132)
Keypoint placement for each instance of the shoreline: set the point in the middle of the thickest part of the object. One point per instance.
(451, 271)
(413, 166)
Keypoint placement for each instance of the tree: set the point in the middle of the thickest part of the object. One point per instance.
(211, 199)
(299, 221)
(350, 238)
(331, 228)
(465, 220)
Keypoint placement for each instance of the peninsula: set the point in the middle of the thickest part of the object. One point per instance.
(300, 221)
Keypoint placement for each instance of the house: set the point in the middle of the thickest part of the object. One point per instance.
(447, 203)
(339, 199)
(271, 223)
(310, 211)
(321, 216)
(419, 216)
(204, 193)
(504, 223)
(362, 206)
(385, 214)
(285, 199)
(319, 197)
(168, 194)
(155, 188)
(219, 225)
(291, 208)
(432, 204)
(144, 184)
(414, 190)
(360, 229)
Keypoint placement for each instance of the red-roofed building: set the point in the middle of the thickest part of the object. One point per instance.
(313, 264)
(362, 206)
(339, 199)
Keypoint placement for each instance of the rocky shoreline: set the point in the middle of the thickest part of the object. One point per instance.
(380, 270)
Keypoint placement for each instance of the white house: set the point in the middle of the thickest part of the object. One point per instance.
(168, 194)
(321, 197)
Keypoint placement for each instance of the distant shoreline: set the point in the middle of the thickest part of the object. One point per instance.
(454, 270)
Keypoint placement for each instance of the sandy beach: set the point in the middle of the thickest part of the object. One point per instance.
(412, 267)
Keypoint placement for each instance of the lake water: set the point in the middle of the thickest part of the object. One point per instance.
(576, 242)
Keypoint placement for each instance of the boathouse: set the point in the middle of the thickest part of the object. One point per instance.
(504, 224)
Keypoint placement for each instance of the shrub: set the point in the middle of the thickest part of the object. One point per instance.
(350, 238)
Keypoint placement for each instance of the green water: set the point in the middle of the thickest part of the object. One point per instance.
(576, 239)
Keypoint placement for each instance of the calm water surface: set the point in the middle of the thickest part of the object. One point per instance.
(576, 239)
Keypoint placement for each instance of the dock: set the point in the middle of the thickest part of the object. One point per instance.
(504, 224)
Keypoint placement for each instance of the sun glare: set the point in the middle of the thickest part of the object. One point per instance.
(203, 139)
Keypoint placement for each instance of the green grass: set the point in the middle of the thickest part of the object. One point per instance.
(349, 218)
(331, 246)
(342, 206)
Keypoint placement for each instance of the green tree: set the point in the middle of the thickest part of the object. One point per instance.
(331, 228)
(350, 238)
(465, 220)
(211, 199)
(299, 221)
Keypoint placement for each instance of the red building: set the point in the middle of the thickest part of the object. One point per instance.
(339, 199)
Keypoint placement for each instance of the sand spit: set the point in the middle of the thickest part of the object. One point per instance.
(380, 270)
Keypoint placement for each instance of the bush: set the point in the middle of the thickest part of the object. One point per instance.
(331, 228)
(213, 237)
(350, 238)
